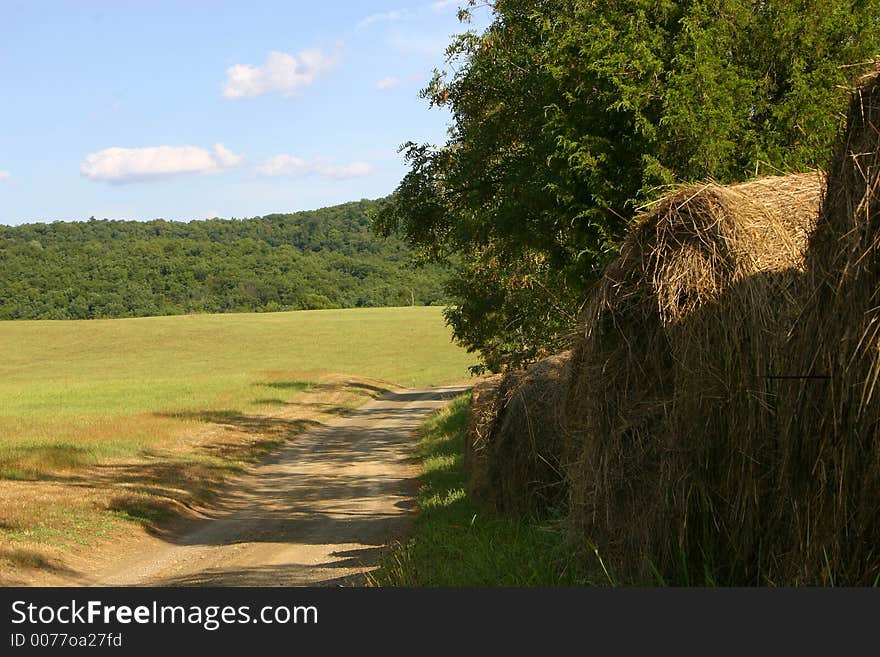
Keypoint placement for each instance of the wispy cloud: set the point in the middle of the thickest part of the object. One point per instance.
(290, 165)
(282, 73)
(441, 5)
(396, 15)
(386, 84)
(383, 17)
(124, 165)
(4, 175)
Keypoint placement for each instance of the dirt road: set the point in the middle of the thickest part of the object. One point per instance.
(318, 512)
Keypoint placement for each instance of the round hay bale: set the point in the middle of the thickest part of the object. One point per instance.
(526, 442)
(670, 408)
(483, 410)
(830, 481)
(516, 455)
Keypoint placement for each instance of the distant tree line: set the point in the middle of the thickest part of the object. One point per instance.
(327, 258)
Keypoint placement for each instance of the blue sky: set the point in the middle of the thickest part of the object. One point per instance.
(193, 109)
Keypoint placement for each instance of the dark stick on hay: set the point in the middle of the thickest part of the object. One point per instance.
(670, 412)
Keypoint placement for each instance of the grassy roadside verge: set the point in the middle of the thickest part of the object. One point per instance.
(456, 544)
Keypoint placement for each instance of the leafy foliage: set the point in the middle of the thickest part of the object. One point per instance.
(568, 115)
(326, 258)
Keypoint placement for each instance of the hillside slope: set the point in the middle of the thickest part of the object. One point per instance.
(326, 258)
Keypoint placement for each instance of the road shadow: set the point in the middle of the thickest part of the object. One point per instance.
(29, 558)
(298, 385)
(363, 560)
(446, 394)
(263, 425)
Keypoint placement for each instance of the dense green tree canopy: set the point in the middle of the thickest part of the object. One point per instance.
(568, 115)
(328, 258)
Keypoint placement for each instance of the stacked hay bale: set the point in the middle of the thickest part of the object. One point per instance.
(484, 408)
(514, 444)
(670, 414)
(830, 478)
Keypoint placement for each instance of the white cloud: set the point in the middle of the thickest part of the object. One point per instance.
(282, 72)
(283, 165)
(396, 15)
(4, 175)
(386, 84)
(383, 17)
(290, 165)
(225, 157)
(122, 165)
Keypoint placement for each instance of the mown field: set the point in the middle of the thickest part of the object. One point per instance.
(106, 423)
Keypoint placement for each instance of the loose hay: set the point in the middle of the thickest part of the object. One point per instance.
(484, 407)
(670, 412)
(515, 442)
(830, 481)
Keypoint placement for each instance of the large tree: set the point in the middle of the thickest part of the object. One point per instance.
(567, 115)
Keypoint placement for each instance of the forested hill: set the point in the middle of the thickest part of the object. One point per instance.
(318, 259)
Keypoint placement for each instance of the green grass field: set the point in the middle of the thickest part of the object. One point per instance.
(63, 381)
(100, 367)
(164, 408)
